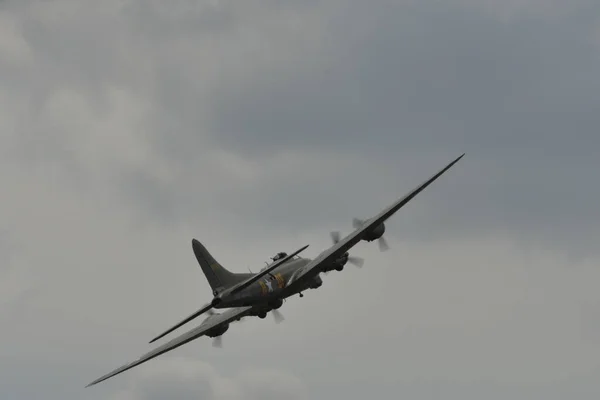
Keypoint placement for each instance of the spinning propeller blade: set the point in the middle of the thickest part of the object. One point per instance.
(383, 246)
(335, 237)
(277, 316)
(218, 342)
(356, 261)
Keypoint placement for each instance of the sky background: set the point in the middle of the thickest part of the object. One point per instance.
(129, 127)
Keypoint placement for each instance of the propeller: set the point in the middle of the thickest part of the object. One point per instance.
(218, 342)
(335, 236)
(383, 245)
(356, 261)
(277, 316)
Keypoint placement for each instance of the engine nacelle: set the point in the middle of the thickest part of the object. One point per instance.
(261, 312)
(217, 331)
(374, 233)
(275, 304)
(315, 282)
(337, 265)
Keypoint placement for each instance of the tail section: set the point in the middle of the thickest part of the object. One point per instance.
(216, 275)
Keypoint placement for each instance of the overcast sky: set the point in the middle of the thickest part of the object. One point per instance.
(128, 127)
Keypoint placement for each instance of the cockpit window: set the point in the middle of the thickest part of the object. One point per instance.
(278, 257)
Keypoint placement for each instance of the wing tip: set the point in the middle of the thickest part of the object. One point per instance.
(455, 161)
(91, 384)
(163, 334)
(97, 381)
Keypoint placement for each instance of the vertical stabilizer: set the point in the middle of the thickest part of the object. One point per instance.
(217, 276)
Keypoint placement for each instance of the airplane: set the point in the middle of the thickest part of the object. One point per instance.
(248, 294)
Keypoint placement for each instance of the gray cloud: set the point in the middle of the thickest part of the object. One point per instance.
(192, 380)
(417, 74)
(519, 97)
(513, 84)
(130, 127)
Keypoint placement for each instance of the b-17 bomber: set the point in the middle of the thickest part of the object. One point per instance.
(241, 295)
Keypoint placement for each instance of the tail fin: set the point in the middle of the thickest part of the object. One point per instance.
(216, 275)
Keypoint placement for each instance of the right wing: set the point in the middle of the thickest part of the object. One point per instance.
(229, 291)
(216, 320)
(335, 251)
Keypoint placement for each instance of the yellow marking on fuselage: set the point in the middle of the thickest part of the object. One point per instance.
(263, 287)
(280, 280)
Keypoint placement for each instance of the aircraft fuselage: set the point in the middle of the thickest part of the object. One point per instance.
(268, 293)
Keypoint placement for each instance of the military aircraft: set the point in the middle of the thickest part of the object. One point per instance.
(249, 294)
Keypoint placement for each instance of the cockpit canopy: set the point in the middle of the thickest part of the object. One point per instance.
(279, 256)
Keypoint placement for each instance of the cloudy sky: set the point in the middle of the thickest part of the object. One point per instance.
(129, 127)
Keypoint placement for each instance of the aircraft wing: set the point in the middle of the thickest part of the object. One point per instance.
(337, 250)
(216, 320)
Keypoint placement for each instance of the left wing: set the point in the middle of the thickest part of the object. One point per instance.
(214, 321)
(335, 251)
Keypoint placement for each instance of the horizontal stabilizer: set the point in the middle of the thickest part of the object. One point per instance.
(201, 311)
